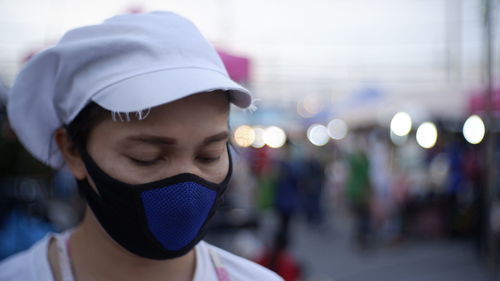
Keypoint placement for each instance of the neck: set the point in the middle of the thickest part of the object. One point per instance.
(96, 256)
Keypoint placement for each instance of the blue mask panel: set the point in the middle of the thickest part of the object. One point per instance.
(176, 213)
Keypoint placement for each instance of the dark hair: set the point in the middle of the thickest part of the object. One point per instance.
(79, 129)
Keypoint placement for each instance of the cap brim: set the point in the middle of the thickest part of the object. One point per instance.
(155, 88)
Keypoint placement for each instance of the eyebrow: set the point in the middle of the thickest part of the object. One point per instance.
(216, 138)
(160, 140)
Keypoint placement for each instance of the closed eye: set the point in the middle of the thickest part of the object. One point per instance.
(144, 162)
(208, 160)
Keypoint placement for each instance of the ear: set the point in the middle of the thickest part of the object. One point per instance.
(70, 153)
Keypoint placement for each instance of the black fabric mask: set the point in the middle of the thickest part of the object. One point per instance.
(159, 220)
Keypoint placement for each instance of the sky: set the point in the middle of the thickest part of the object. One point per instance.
(423, 54)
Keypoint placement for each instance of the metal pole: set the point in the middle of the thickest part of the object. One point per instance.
(491, 137)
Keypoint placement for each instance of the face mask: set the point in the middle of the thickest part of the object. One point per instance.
(159, 220)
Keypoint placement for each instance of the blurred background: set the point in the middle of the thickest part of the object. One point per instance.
(373, 151)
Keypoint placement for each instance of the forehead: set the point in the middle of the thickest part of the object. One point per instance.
(197, 114)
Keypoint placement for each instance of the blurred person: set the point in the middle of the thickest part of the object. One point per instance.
(359, 192)
(137, 108)
(399, 193)
(286, 190)
(335, 178)
(464, 189)
(383, 203)
(280, 260)
(459, 191)
(265, 173)
(411, 160)
(417, 218)
(312, 188)
(474, 172)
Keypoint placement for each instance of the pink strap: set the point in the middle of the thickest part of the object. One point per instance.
(220, 269)
(62, 242)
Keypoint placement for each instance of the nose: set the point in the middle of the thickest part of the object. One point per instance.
(183, 165)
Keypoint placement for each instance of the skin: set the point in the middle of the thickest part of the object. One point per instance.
(185, 136)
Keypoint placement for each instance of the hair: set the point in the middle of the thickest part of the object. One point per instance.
(79, 129)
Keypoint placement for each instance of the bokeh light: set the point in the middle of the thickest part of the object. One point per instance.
(244, 136)
(302, 111)
(398, 140)
(337, 129)
(317, 134)
(427, 135)
(259, 137)
(309, 106)
(401, 124)
(474, 129)
(274, 137)
(312, 105)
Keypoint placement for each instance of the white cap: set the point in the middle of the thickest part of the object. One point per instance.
(129, 63)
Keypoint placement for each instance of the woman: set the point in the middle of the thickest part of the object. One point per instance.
(137, 108)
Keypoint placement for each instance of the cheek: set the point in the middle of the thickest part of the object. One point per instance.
(113, 164)
(220, 170)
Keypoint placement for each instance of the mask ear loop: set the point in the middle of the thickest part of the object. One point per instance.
(84, 185)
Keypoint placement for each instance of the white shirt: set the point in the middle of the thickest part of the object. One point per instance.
(33, 265)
